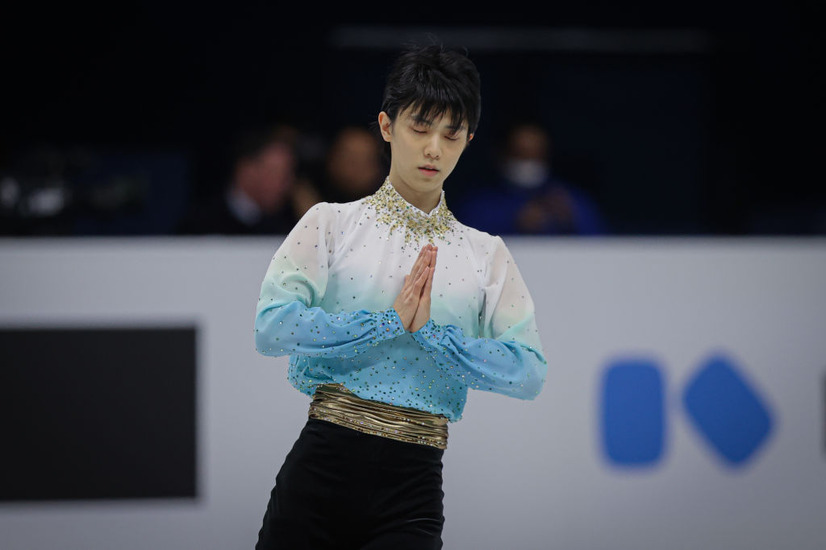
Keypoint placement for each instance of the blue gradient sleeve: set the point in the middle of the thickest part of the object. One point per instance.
(293, 328)
(505, 367)
(289, 319)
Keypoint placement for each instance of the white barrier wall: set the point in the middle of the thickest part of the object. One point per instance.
(518, 475)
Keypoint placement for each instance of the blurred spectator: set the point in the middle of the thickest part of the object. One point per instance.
(35, 193)
(50, 190)
(527, 198)
(262, 197)
(352, 168)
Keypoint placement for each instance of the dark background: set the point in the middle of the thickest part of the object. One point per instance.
(97, 412)
(718, 138)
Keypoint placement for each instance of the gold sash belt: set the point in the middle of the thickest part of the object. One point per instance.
(335, 403)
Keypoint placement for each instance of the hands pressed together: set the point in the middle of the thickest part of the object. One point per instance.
(413, 302)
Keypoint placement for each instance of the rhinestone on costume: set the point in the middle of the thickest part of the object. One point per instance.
(398, 214)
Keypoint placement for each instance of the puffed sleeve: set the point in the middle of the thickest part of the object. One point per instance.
(507, 356)
(289, 319)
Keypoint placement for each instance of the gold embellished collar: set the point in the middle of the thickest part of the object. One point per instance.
(396, 213)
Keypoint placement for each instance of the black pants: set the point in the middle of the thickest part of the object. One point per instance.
(342, 489)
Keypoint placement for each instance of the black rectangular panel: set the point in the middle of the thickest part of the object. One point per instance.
(97, 413)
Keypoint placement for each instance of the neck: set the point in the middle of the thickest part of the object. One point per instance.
(425, 200)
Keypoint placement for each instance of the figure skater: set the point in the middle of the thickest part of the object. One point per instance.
(390, 310)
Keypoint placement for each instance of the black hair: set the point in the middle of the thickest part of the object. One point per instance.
(434, 81)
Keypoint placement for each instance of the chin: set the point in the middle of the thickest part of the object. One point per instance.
(431, 180)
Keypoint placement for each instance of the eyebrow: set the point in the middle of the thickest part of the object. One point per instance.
(419, 119)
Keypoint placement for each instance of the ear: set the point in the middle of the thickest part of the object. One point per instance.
(385, 125)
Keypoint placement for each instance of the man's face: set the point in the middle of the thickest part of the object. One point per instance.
(355, 162)
(529, 143)
(268, 177)
(424, 152)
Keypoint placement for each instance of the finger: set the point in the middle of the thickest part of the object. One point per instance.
(428, 285)
(412, 286)
(417, 272)
(423, 309)
(413, 290)
(416, 269)
(421, 280)
(421, 260)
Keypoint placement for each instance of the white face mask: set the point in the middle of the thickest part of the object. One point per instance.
(527, 173)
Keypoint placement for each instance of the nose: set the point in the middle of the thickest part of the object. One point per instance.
(433, 149)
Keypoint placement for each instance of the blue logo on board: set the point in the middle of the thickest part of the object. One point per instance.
(720, 403)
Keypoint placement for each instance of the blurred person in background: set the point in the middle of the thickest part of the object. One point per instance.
(352, 168)
(264, 195)
(527, 198)
(36, 192)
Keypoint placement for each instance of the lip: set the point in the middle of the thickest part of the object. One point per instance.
(428, 169)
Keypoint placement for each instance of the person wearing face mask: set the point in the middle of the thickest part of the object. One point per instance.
(528, 197)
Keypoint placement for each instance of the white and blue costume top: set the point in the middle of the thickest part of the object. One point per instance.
(327, 302)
